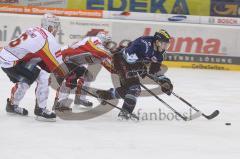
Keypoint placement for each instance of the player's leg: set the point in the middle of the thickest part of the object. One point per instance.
(23, 75)
(112, 93)
(17, 94)
(61, 102)
(42, 92)
(128, 92)
(132, 91)
(83, 83)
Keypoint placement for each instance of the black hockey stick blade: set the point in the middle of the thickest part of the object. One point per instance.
(199, 113)
(213, 115)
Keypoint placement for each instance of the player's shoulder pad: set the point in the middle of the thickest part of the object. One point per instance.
(146, 42)
(38, 32)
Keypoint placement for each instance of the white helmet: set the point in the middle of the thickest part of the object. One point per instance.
(50, 20)
(103, 36)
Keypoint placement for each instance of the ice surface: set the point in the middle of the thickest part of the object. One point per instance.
(105, 137)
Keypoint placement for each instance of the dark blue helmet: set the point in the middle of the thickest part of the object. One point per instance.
(162, 35)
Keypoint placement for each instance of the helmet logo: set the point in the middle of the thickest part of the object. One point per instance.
(164, 33)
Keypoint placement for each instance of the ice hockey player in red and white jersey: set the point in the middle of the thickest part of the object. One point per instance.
(90, 50)
(31, 57)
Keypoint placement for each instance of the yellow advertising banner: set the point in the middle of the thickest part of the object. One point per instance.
(205, 66)
(191, 7)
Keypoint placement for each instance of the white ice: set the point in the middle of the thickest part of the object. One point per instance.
(105, 137)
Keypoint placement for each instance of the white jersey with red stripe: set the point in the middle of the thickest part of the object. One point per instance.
(90, 50)
(34, 45)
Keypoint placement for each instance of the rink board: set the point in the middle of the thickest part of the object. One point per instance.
(199, 65)
(193, 40)
(200, 61)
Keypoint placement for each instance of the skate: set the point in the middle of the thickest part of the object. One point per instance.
(104, 95)
(123, 115)
(43, 114)
(62, 105)
(14, 109)
(85, 103)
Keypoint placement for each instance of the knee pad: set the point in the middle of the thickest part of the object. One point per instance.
(130, 100)
(134, 90)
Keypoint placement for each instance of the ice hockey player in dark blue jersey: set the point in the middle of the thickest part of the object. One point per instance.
(130, 63)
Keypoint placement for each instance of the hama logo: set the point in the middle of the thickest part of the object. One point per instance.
(192, 45)
(195, 45)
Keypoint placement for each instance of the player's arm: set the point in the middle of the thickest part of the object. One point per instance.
(155, 71)
(96, 48)
(106, 63)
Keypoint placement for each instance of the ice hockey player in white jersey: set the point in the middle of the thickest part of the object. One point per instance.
(90, 50)
(31, 57)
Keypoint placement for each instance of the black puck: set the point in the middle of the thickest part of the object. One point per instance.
(227, 123)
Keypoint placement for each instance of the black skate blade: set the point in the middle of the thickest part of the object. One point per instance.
(62, 110)
(127, 120)
(39, 118)
(84, 107)
(131, 118)
(81, 105)
(16, 114)
(122, 119)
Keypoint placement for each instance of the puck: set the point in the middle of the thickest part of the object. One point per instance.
(228, 124)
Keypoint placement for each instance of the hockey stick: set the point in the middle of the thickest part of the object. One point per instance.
(167, 105)
(209, 117)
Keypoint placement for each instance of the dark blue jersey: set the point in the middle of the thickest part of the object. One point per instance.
(142, 50)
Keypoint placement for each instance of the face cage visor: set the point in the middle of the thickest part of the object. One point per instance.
(163, 45)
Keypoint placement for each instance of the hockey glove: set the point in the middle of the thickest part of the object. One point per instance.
(71, 80)
(165, 83)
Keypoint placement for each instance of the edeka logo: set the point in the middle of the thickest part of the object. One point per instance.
(154, 6)
(227, 8)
